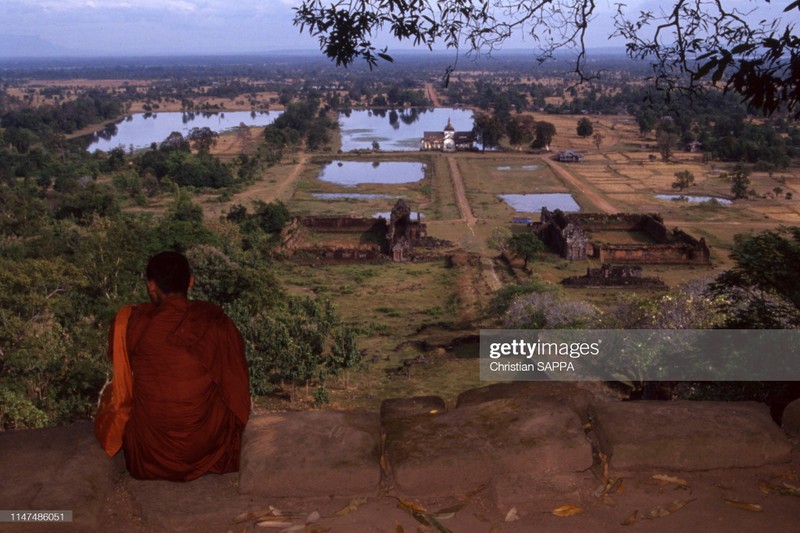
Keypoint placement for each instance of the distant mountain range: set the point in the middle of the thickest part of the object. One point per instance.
(32, 46)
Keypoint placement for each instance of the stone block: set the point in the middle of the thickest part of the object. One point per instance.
(417, 405)
(791, 419)
(316, 453)
(62, 468)
(460, 451)
(685, 435)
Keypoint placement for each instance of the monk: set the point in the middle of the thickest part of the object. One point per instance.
(191, 396)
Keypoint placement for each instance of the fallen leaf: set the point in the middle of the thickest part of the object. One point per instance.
(566, 510)
(632, 519)
(660, 512)
(671, 479)
(412, 506)
(512, 515)
(274, 524)
(764, 487)
(453, 509)
(350, 507)
(745, 506)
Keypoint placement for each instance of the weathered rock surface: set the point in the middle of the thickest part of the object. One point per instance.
(59, 468)
(464, 449)
(686, 435)
(316, 453)
(508, 452)
(791, 419)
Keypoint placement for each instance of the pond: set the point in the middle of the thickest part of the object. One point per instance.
(526, 168)
(142, 129)
(693, 199)
(397, 129)
(533, 203)
(352, 173)
(350, 196)
(415, 215)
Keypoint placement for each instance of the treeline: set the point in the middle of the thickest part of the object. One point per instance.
(64, 277)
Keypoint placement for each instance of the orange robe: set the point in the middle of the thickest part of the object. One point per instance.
(191, 397)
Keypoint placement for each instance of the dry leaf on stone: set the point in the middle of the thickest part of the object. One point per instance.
(275, 524)
(411, 506)
(566, 510)
(354, 504)
(671, 479)
(745, 506)
(632, 519)
(512, 515)
(660, 512)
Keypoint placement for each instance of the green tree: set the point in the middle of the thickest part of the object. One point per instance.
(545, 131)
(740, 181)
(521, 130)
(585, 128)
(683, 180)
(488, 130)
(762, 290)
(526, 246)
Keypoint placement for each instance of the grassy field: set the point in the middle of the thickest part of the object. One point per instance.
(405, 311)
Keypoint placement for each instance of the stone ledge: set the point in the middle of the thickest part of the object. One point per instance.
(685, 435)
(465, 449)
(61, 468)
(316, 453)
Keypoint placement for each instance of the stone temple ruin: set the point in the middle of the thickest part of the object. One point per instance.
(579, 236)
(361, 239)
(620, 276)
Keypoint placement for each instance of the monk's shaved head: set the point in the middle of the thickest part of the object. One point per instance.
(170, 271)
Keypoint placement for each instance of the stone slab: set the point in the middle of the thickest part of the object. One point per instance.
(791, 419)
(567, 393)
(462, 450)
(317, 453)
(417, 405)
(60, 468)
(685, 435)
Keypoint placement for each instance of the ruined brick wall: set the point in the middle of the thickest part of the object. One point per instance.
(614, 276)
(345, 224)
(674, 253)
(566, 234)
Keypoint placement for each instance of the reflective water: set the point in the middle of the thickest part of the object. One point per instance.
(693, 199)
(527, 168)
(533, 203)
(415, 215)
(397, 129)
(142, 129)
(350, 196)
(352, 173)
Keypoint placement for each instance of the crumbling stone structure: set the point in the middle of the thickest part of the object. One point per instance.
(373, 239)
(570, 236)
(614, 276)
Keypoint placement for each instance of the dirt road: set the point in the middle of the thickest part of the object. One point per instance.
(585, 188)
(430, 90)
(461, 194)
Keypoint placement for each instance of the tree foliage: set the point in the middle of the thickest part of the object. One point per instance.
(688, 42)
(762, 290)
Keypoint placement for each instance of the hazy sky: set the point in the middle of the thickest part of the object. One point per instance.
(198, 26)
